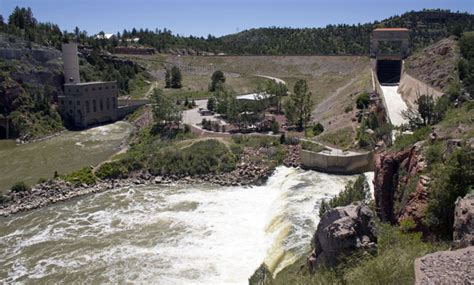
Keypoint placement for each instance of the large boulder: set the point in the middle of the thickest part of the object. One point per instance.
(341, 232)
(446, 267)
(463, 229)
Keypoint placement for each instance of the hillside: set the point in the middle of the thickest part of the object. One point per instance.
(436, 64)
(426, 27)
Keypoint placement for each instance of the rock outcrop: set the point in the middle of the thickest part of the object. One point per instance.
(446, 267)
(387, 177)
(416, 205)
(463, 229)
(341, 232)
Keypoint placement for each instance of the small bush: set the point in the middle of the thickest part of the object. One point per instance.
(111, 170)
(318, 129)
(315, 147)
(187, 128)
(20, 187)
(348, 109)
(82, 176)
(405, 140)
(202, 157)
(451, 180)
(354, 191)
(275, 127)
(407, 225)
(42, 180)
(362, 101)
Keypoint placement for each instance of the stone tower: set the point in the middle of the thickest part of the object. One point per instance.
(71, 64)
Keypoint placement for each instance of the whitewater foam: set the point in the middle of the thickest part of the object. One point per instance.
(168, 234)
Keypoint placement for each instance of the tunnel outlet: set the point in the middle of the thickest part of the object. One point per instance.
(389, 71)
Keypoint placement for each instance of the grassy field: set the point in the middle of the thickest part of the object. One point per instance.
(324, 74)
(334, 81)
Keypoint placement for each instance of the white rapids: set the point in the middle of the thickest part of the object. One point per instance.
(168, 234)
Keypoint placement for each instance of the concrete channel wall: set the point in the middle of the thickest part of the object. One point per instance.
(127, 106)
(410, 88)
(338, 164)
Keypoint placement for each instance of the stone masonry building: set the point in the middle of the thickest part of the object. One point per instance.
(88, 103)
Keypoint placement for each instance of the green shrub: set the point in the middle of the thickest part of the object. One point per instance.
(311, 146)
(434, 153)
(202, 157)
(42, 180)
(362, 101)
(318, 129)
(407, 225)
(405, 140)
(111, 170)
(394, 261)
(275, 127)
(20, 187)
(348, 109)
(82, 176)
(354, 191)
(453, 179)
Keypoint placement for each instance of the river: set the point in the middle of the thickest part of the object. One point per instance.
(171, 234)
(63, 153)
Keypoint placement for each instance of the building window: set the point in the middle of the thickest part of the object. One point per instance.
(62, 102)
(101, 105)
(106, 87)
(77, 89)
(70, 111)
(93, 89)
(69, 89)
(94, 106)
(113, 86)
(78, 103)
(87, 107)
(70, 102)
(114, 102)
(107, 103)
(100, 88)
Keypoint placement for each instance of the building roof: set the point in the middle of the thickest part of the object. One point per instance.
(89, 83)
(391, 30)
(253, 97)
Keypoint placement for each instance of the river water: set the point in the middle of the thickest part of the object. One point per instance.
(64, 153)
(167, 234)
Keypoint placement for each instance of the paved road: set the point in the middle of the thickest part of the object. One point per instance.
(193, 117)
(278, 80)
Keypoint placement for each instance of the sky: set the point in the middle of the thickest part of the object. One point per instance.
(218, 17)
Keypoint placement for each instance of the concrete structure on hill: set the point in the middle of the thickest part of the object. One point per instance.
(390, 43)
(89, 103)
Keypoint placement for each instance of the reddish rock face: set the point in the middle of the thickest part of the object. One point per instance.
(416, 205)
(387, 179)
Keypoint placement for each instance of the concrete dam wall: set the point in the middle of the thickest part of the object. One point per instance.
(339, 164)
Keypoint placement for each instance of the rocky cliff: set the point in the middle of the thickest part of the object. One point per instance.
(393, 172)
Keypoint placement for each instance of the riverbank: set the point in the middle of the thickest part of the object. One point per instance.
(249, 172)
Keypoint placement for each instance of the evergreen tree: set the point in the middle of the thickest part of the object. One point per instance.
(165, 111)
(299, 106)
(217, 79)
(176, 77)
(167, 79)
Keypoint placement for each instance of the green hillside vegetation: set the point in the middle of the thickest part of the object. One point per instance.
(28, 104)
(426, 27)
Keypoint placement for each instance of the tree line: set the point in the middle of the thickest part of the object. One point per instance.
(425, 26)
